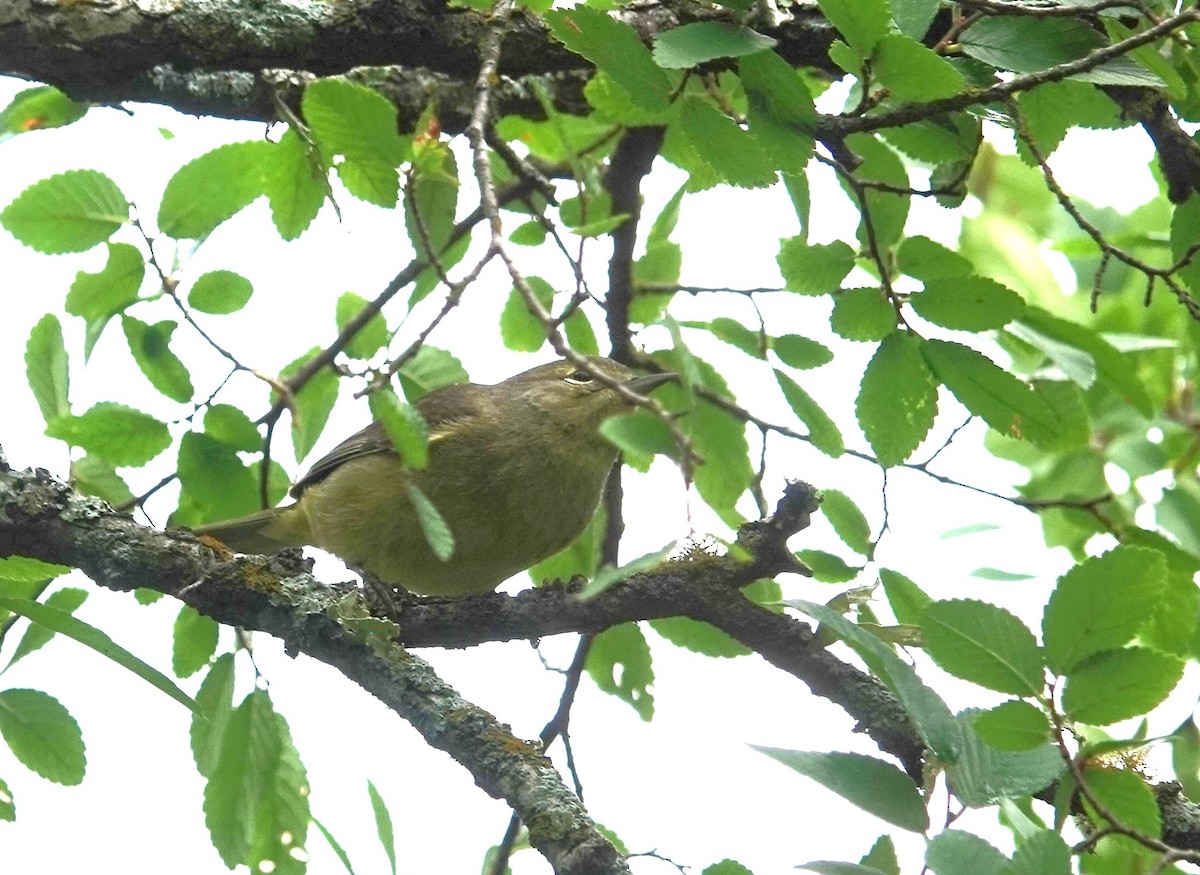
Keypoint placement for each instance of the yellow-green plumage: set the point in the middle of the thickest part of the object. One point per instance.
(516, 469)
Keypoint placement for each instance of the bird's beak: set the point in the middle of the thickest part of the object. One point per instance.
(645, 385)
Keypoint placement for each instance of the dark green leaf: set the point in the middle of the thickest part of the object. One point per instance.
(913, 17)
(118, 434)
(862, 314)
(46, 368)
(42, 735)
(433, 524)
(1100, 604)
(619, 664)
(210, 189)
(220, 291)
(862, 22)
(1043, 853)
(872, 784)
(733, 155)
(955, 852)
(702, 41)
(983, 644)
(194, 641)
(814, 269)
(1115, 685)
(983, 775)
(68, 212)
(1014, 726)
(967, 303)
(822, 431)
(897, 401)
(150, 346)
(615, 48)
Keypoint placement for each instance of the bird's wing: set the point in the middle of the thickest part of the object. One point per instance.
(443, 410)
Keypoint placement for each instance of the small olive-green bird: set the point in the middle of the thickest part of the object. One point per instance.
(516, 469)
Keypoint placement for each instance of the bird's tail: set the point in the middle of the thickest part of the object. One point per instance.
(265, 532)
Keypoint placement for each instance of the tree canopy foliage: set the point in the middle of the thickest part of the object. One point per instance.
(518, 140)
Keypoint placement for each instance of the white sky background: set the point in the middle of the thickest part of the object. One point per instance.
(685, 784)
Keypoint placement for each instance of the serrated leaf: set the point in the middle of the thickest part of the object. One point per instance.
(862, 22)
(520, 329)
(1007, 404)
(311, 405)
(701, 41)
(42, 735)
(1115, 685)
(863, 314)
(815, 269)
(1126, 796)
(967, 303)
(1100, 604)
(194, 641)
(39, 108)
(99, 295)
(913, 72)
(210, 189)
(847, 520)
(873, 785)
(220, 292)
(822, 431)
(214, 480)
(405, 427)
(906, 599)
(1013, 726)
(699, 637)
(118, 434)
(581, 337)
(1043, 853)
(955, 852)
(68, 212)
(984, 644)
(433, 524)
(619, 664)
(352, 120)
(150, 346)
(93, 476)
(913, 17)
(897, 401)
(371, 337)
(925, 259)
(732, 154)
(800, 352)
(214, 702)
(232, 427)
(296, 185)
(430, 369)
(430, 203)
(615, 48)
(639, 435)
(46, 368)
(982, 775)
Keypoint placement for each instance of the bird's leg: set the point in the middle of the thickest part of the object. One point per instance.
(384, 599)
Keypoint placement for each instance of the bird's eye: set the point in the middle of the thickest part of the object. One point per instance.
(580, 376)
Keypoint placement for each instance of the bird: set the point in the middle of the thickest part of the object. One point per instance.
(516, 470)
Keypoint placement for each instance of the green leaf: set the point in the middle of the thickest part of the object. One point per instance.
(118, 434)
(1115, 685)
(194, 641)
(822, 431)
(65, 624)
(256, 799)
(210, 189)
(214, 703)
(430, 369)
(8, 808)
(619, 664)
(897, 401)
(835, 867)
(873, 785)
(96, 296)
(906, 599)
(23, 569)
(925, 259)
(826, 567)
(862, 22)
(405, 427)
(383, 825)
(1007, 404)
(352, 120)
(847, 521)
(862, 314)
(781, 113)
(732, 154)
(938, 728)
(615, 48)
(882, 856)
(699, 637)
(913, 17)
(701, 41)
(433, 524)
(1100, 604)
(640, 436)
(913, 72)
(37, 109)
(430, 203)
(1125, 794)
(220, 292)
(1013, 726)
(1185, 756)
(984, 644)
(295, 183)
(1077, 365)
(335, 846)
(46, 368)
(67, 600)
(955, 852)
(580, 335)
(311, 405)
(799, 352)
(611, 575)
(982, 775)
(726, 867)
(150, 346)
(368, 340)
(232, 427)
(1043, 853)
(967, 303)
(214, 480)
(816, 269)
(520, 329)
(888, 210)
(68, 212)
(42, 735)
(734, 333)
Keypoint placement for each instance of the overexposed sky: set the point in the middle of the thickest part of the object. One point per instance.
(685, 784)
